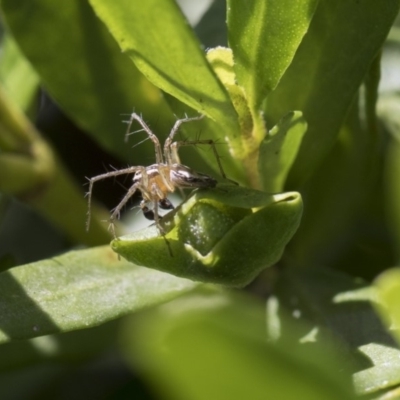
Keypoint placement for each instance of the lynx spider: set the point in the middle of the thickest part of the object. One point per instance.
(156, 181)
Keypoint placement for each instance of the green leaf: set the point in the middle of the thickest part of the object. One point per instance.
(68, 347)
(78, 290)
(384, 373)
(20, 80)
(340, 306)
(212, 346)
(279, 149)
(327, 71)
(372, 81)
(264, 36)
(225, 235)
(387, 358)
(83, 68)
(335, 195)
(388, 285)
(389, 112)
(168, 54)
(221, 60)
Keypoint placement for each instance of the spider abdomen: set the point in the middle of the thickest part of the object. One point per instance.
(184, 177)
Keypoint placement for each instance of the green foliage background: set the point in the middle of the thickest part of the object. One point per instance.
(289, 90)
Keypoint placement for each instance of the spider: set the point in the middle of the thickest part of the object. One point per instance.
(158, 180)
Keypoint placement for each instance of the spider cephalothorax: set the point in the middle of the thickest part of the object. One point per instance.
(161, 180)
(158, 180)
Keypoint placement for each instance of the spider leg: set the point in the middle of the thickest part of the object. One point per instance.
(169, 156)
(152, 136)
(175, 146)
(160, 228)
(117, 210)
(130, 170)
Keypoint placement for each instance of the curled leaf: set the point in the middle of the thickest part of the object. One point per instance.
(226, 235)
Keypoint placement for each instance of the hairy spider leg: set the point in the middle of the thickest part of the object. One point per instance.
(117, 210)
(171, 148)
(152, 136)
(175, 147)
(171, 158)
(92, 181)
(152, 214)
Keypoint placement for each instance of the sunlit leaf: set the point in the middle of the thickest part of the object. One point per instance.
(78, 290)
(168, 53)
(264, 36)
(279, 149)
(226, 235)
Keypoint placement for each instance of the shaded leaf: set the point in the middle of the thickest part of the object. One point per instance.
(337, 195)
(16, 74)
(327, 71)
(389, 111)
(78, 290)
(212, 346)
(70, 347)
(83, 68)
(211, 29)
(341, 307)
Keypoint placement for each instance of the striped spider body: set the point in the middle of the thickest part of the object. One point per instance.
(155, 182)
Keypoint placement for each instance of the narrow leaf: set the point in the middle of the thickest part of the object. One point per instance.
(384, 372)
(334, 195)
(264, 36)
(279, 150)
(166, 51)
(327, 71)
(82, 67)
(388, 285)
(20, 80)
(78, 290)
(389, 113)
(74, 346)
